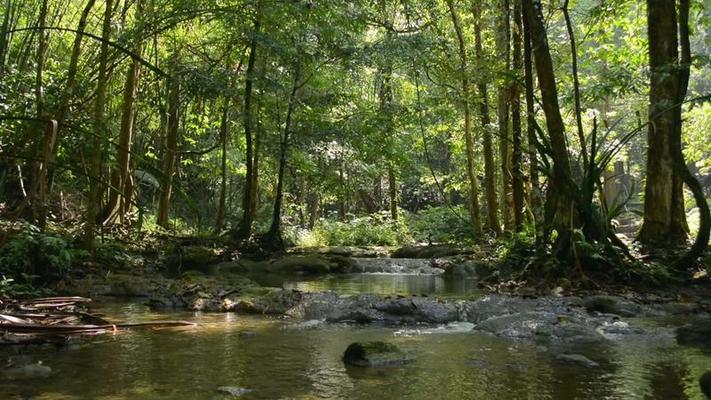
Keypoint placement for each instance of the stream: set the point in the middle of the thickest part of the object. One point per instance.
(273, 358)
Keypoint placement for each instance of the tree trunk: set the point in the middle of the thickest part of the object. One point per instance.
(473, 186)
(503, 46)
(664, 218)
(562, 190)
(516, 159)
(273, 239)
(392, 186)
(534, 197)
(224, 134)
(244, 230)
(576, 86)
(3, 37)
(700, 245)
(42, 176)
(492, 202)
(121, 185)
(100, 132)
(171, 146)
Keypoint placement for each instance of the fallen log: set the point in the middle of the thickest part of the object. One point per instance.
(69, 329)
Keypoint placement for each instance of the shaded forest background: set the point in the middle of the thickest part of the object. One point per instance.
(571, 127)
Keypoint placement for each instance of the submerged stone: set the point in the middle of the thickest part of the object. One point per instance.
(27, 372)
(705, 383)
(578, 359)
(696, 334)
(374, 354)
(234, 391)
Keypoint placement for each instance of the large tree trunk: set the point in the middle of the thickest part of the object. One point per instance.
(171, 147)
(473, 186)
(100, 127)
(120, 197)
(664, 216)
(492, 202)
(516, 159)
(503, 47)
(244, 230)
(560, 201)
(534, 196)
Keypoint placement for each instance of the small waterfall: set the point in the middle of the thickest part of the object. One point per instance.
(411, 266)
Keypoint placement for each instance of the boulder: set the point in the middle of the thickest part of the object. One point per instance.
(27, 372)
(191, 258)
(311, 264)
(696, 334)
(705, 383)
(612, 305)
(374, 354)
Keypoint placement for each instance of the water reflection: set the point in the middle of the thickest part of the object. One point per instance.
(382, 284)
(284, 363)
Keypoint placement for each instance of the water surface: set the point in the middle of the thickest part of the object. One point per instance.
(284, 361)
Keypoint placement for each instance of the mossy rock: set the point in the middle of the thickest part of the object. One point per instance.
(311, 264)
(374, 354)
(434, 251)
(611, 305)
(196, 258)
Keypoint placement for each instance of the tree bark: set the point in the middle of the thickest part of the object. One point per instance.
(503, 98)
(244, 230)
(562, 190)
(492, 202)
(101, 131)
(121, 186)
(700, 245)
(224, 134)
(516, 159)
(534, 197)
(273, 239)
(171, 146)
(473, 186)
(664, 217)
(576, 86)
(42, 175)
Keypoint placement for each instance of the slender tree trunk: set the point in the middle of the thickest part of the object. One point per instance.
(100, 127)
(535, 190)
(224, 134)
(473, 186)
(121, 191)
(273, 239)
(3, 37)
(42, 176)
(516, 159)
(492, 201)
(34, 198)
(503, 46)
(664, 218)
(392, 186)
(562, 190)
(576, 85)
(700, 245)
(171, 147)
(244, 230)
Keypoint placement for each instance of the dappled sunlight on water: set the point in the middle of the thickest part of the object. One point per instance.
(281, 361)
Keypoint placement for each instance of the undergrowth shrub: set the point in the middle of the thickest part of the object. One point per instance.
(372, 230)
(441, 224)
(35, 256)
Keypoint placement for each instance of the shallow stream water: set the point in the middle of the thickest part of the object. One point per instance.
(279, 359)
